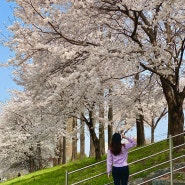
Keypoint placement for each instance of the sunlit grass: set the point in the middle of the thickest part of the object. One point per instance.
(56, 175)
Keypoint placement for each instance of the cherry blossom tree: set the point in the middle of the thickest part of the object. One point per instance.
(62, 47)
(154, 105)
(66, 66)
(153, 31)
(153, 34)
(27, 134)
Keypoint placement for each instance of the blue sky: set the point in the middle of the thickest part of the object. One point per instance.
(6, 82)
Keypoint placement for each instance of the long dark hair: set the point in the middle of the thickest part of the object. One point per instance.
(115, 145)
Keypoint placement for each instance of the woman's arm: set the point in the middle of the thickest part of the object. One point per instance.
(131, 143)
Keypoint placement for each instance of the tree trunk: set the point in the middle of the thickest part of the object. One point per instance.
(64, 150)
(96, 144)
(140, 130)
(60, 148)
(31, 164)
(176, 123)
(39, 156)
(55, 162)
(58, 153)
(31, 161)
(101, 131)
(92, 149)
(175, 112)
(139, 117)
(152, 131)
(74, 140)
(110, 118)
(102, 139)
(82, 140)
(93, 136)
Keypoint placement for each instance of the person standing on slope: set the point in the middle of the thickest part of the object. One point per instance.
(117, 155)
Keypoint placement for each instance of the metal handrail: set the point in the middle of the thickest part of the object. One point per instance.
(160, 176)
(171, 168)
(154, 178)
(86, 167)
(178, 134)
(89, 178)
(178, 157)
(179, 169)
(178, 146)
(150, 168)
(149, 156)
(105, 159)
(146, 146)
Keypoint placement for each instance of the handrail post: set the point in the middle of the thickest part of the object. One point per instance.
(66, 177)
(171, 159)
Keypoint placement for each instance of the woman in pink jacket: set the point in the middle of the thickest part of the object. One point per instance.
(117, 159)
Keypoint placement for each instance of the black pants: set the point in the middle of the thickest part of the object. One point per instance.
(120, 175)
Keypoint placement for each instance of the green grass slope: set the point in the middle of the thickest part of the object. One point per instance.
(56, 175)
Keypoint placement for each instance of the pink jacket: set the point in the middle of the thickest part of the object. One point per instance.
(121, 159)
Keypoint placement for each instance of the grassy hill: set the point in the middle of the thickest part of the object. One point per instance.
(56, 175)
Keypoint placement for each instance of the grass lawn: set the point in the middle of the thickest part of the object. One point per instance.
(56, 175)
